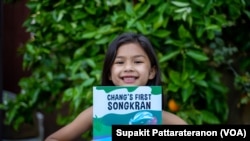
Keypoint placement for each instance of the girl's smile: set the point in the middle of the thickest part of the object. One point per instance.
(129, 79)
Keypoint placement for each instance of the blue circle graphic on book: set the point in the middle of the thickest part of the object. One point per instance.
(143, 118)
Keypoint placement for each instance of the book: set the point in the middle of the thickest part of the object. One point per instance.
(124, 105)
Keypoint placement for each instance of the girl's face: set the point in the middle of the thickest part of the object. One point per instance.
(131, 66)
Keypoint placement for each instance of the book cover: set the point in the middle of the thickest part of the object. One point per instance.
(124, 105)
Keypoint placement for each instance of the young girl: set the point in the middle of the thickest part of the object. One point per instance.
(130, 60)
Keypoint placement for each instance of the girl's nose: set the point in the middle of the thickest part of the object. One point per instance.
(128, 67)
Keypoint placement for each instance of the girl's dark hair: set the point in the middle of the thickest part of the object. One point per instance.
(129, 38)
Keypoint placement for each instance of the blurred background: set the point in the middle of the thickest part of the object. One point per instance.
(52, 52)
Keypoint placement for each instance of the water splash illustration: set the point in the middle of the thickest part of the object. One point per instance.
(143, 118)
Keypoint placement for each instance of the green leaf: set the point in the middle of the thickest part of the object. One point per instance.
(90, 10)
(129, 8)
(19, 120)
(33, 5)
(34, 98)
(141, 26)
(60, 38)
(79, 52)
(91, 63)
(184, 76)
(175, 77)
(103, 40)
(183, 32)
(60, 15)
(104, 30)
(30, 48)
(197, 55)
(200, 76)
(186, 93)
(161, 33)
(202, 83)
(180, 4)
(210, 34)
(181, 10)
(88, 82)
(213, 27)
(172, 87)
(169, 56)
(142, 9)
(209, 117)
(89, 35)
(159, 21)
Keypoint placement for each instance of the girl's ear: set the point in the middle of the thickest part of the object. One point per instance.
(152, 73)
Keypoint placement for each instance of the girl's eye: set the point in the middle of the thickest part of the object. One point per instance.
(118, 62)
(138, 62)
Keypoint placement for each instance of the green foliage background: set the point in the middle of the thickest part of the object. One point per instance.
(193, 40)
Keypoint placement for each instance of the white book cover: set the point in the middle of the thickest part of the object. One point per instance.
(124, 105)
